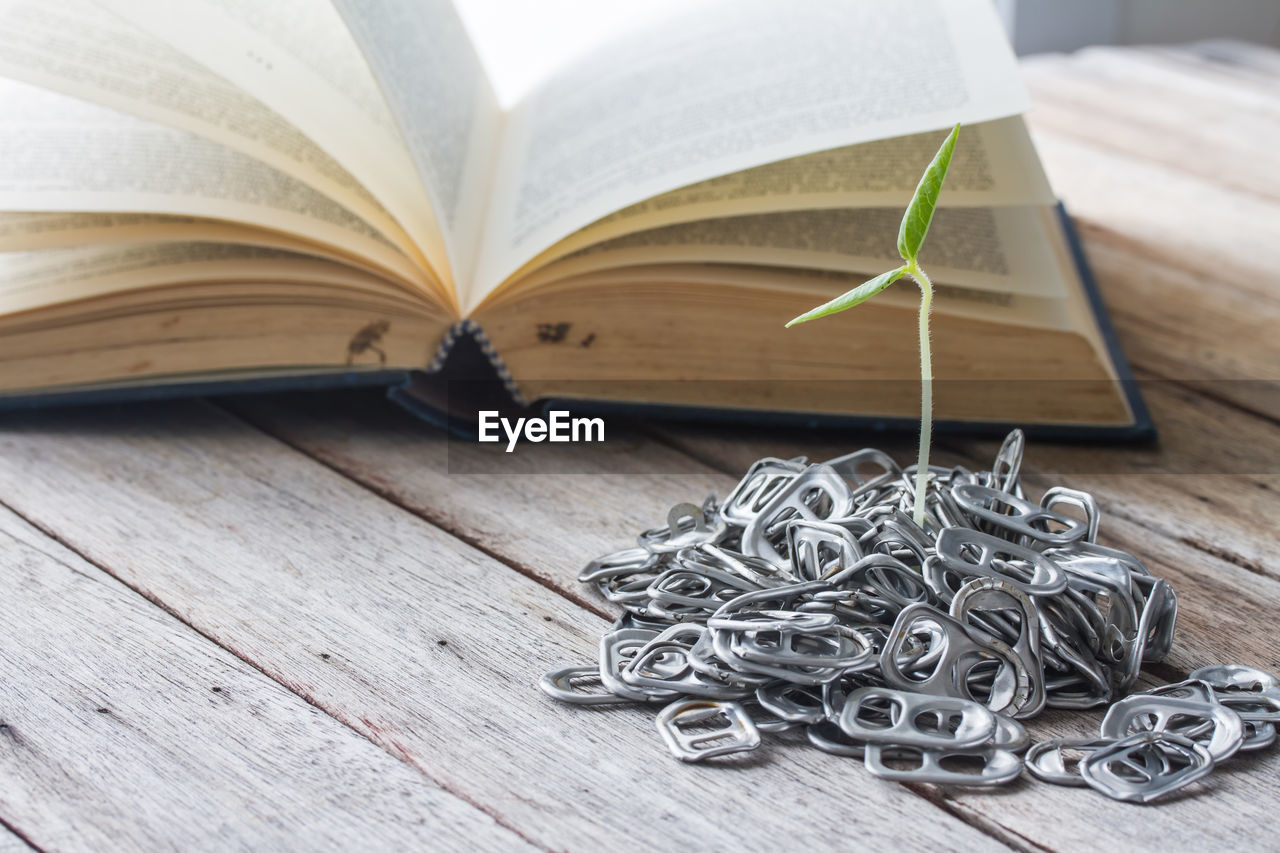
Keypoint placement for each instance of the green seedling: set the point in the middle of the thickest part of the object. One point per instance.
(915, 225)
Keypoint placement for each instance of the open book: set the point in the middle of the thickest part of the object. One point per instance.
(206, 191)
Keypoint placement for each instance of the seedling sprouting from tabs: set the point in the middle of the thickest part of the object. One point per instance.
(911, 234)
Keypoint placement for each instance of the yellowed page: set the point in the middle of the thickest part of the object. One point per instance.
(208, 331)
(994, 165)
(31, 231)
(297, 58)
(732, 85)
(1002, 249)
(61, 154)
(429, 71)
(78, 48)
(31, 280)
(819, 285)
(598, 353)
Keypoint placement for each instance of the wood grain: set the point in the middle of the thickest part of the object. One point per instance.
(425, 645)
(120, 728)
(372, 448)
(545, 513)
(10, 843)
(1164, 113)
(1192, 297)
(413, 589)
(1170, 531)
(1257, 63)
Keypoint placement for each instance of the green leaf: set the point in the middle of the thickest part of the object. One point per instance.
(915, 222)
(858, 295)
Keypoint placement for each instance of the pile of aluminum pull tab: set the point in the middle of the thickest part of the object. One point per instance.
(810, 599)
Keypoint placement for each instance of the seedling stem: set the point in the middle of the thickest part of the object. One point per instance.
(911, 234)
(926, 389)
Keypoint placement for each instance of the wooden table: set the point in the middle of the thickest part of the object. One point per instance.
(293, 622)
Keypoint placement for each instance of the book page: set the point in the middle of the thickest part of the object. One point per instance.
(432, 78)
(732, 85)
(80, 49)
(147, 313)
(994, 164)
(1003, 249)
(58, 153)
(729, 322)
(297, 58)
(31, 231)
(818, 286)
(30, 280)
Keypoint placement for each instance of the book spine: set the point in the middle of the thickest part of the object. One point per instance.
(470, 327)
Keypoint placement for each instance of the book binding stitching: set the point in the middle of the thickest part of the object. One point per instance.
(470, 327)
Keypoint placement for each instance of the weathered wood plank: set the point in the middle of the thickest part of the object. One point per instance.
(10, 843)
(1223, 353)
(546, 512)
(1184, 223)
(120, 727)
(1162, 112)
(377, 448)
(1239, 64)
(1189, 527)
(426, 645)
(1186, 270)
(1228, 57)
